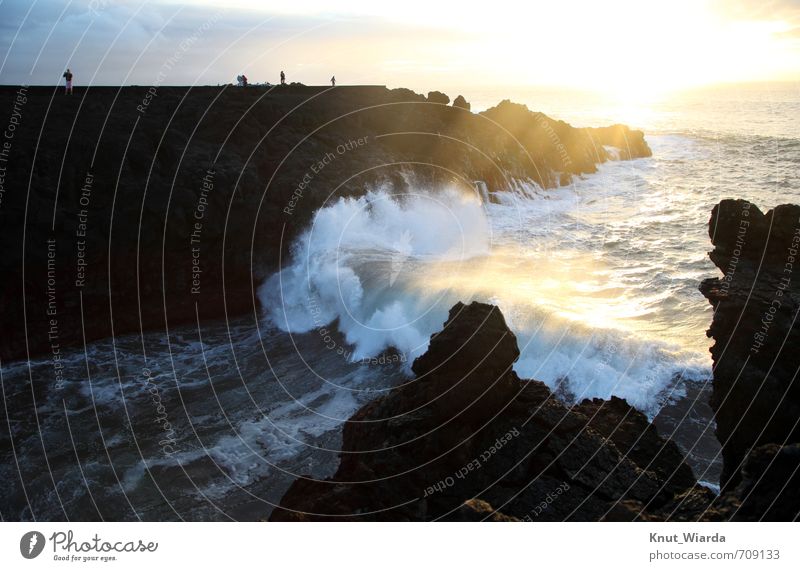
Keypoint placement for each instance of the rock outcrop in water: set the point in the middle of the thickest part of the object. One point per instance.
(756, 396)
(146, 207)
(468, 440)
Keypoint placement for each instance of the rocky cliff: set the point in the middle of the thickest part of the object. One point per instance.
(756, 395)
(144, 207)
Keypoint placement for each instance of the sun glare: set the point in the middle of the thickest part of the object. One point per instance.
(627, 50)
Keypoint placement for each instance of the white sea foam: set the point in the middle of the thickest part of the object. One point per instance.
(388, 267)
(355, 265)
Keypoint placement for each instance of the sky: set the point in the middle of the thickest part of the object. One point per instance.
(615, 46)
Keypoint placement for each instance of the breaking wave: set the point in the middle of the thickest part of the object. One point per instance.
(384, 269)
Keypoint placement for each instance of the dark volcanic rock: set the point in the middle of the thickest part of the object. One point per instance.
(639, 440)
(467, 440)
(451, 357)
(756, 396)
(462, 103)
(770, 485)
(438, 97)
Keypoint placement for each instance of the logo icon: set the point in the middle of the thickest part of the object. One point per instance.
(31, 544)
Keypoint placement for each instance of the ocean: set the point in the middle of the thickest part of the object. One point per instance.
(598, 280)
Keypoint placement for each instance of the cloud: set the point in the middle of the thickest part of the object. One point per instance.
(127, 42)
(792, 34)
(766, 10)
(103, 42)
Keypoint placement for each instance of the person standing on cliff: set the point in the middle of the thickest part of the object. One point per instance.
(283, 78)
(68, 76)
(333, 81)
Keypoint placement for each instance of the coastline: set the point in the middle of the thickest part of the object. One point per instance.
(205, 174)
(116, 178)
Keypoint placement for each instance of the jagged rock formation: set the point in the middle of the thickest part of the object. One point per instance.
(756, 395)
(438, 97)
(461, 103)
(145, 207)
(468, 440)
(576, 150)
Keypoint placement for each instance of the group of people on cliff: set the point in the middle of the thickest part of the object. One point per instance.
(241, 80)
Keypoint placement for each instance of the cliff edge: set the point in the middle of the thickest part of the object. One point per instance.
(144, 207)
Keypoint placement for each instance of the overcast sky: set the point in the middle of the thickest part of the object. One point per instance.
(414, 43)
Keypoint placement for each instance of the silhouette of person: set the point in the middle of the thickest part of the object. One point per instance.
(283, 78)
(68, 76)
(333, 81)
